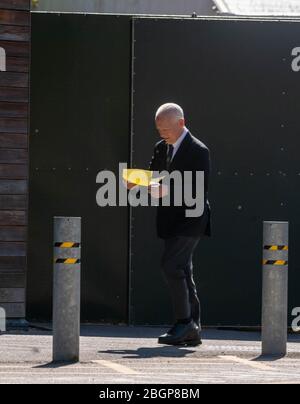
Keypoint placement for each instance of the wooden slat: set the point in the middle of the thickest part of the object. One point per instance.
(12, 280)
(14, 33)
(12, 295)
(13, 187)
(13, 141)
(10, 270)
(12, 263)
(12, 249)
(13, 233)
(12, 202)
(14, 94)
(13, 156)
(12, 218)
(13, 171)
(14, 110)
(19, 49)
(14, 310)
(8, 17)
(14, 117)
(15, 4)
(13, 125)
(12, 79)
(17, 65)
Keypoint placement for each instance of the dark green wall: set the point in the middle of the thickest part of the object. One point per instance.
(241, 98)
(80, 98)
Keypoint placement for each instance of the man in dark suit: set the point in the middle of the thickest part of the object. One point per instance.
(179, 150)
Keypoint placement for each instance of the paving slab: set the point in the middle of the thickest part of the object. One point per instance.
(131, 355)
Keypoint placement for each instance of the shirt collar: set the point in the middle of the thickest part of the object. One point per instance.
(180, 139)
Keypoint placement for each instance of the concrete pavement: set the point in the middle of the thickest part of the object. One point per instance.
(131, 355)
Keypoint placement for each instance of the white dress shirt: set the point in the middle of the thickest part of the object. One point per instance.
(177, 144)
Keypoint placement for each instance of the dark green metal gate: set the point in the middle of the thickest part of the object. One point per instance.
(235, 81)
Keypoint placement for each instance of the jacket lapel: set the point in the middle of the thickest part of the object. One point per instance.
(182, 148)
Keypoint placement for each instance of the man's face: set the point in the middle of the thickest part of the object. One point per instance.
(170, 129)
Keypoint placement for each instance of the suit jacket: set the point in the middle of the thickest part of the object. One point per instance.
(192, 155)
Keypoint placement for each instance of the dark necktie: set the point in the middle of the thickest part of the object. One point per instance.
(169, 155)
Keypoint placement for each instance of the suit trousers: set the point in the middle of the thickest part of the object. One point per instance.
(177, 266)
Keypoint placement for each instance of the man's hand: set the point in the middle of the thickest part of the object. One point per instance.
(158, 191)
(128, 185)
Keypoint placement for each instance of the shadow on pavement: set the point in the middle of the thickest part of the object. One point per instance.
(268, 358)
(142, 353)
(55, 365)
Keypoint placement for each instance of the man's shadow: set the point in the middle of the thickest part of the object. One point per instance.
(143, 353)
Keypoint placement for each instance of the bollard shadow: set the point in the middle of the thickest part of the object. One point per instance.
(56, 365)
(146, 353)
(268, 358)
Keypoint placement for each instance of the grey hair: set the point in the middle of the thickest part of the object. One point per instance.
(170, 109)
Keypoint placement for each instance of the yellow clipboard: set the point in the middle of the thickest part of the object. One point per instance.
(139, 177)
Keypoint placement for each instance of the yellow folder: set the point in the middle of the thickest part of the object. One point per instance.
(143, 178)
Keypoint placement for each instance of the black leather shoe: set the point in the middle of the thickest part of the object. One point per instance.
(171, 331)
(182, 335)
(173, 328)
(197, 322)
